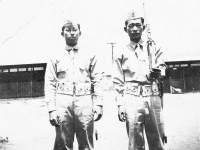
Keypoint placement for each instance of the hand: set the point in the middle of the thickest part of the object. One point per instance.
(121, 113)
(98, 110)
(150, 41)
(54, 119)
(155, 73)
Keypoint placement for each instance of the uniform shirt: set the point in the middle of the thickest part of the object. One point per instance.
(72, 65)
(132, 64)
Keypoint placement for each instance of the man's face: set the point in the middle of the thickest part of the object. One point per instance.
(134, 29)
(71, 34)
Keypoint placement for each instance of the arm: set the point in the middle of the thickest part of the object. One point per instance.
(118, 80)
(159, 61)
(96, 79)
(159, 68)
(119, 84)
(50, 85)
(50, 93)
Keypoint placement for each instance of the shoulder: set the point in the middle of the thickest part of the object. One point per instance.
(157, 46)
(86, 53)
(120, 50)
(158, 50)
(56, 56)
(153, 44)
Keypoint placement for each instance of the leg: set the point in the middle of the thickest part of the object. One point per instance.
(65, 132)
(154, 125)
(84, 122)
(59, 143)
(134, 108)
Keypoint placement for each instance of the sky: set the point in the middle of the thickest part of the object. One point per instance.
(30, 29)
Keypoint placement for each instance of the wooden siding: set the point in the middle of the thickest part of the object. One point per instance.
(183, 75)
(21, 83)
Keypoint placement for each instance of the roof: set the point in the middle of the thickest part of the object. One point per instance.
(190, 55)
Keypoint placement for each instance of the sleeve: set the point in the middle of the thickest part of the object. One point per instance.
(96, 74)
(118, 80)
(50, 85)
(159, 61)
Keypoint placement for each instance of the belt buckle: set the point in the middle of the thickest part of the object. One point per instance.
(146, 90)
(80, 89)
(127, 89)
(87, 88)
(64, 88)
(135, 89)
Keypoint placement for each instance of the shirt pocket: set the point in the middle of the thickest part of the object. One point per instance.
(83, 66)
(84, 71)
(62, 70)
(130, 65)
(125, 66)
(62, 74)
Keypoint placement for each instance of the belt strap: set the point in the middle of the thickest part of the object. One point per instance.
(144, 90)
(67, 88)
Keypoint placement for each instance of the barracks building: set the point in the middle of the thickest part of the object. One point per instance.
(26, 77)
(20, 81)
(182, 73)
(27, 80)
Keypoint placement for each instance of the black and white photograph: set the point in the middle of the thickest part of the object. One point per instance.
(99, 75)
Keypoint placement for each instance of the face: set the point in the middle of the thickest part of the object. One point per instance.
(71, 33)
(134, 29)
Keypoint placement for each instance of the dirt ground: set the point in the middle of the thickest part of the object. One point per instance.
(25, 123)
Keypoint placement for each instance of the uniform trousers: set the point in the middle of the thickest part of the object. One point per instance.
(77, 115)
(144, 113)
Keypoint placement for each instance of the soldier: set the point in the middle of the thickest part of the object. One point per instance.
(138, 95)
(73, 92)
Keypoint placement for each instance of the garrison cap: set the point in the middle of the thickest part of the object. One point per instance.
(70, 23)
(134, 15)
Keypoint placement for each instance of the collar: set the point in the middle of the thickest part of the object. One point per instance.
(133, 44)
(69, 48)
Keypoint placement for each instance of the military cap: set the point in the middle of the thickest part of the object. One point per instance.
(134, 15)
(70, 22)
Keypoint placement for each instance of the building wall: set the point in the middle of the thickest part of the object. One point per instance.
(183, 75)
(19, 81)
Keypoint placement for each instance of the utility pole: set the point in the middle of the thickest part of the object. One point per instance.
(112, 45)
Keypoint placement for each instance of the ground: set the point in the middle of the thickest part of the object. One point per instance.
(25, 123)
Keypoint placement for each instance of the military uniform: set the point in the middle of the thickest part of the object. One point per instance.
(72, 85)
(139, 96)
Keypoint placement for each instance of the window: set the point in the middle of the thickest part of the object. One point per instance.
(177, 65)
(184, 65)
(5, 70)
(38, 68)
(13, 70)
(30, 69)
(22, 69)
(192, 65)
